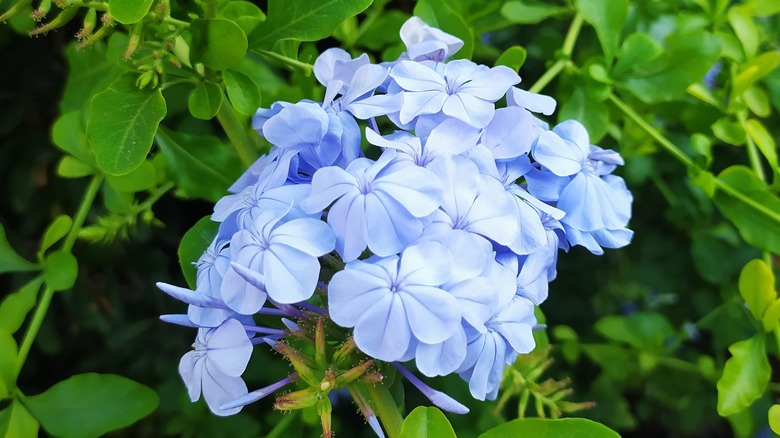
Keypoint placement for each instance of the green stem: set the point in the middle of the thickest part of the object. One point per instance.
(752, 151)
(386, 409)
(307, 68)
(236, 134)
(680, 156)
(571, 35)
(566, 50)
(48, 293)
(548, 76)
(654, 133)
(282, 425)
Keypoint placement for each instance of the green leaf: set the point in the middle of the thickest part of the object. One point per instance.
(205, 100)
(129, 11)
(592, 113)
(426, 422)
(16, 422)
(202, 166)
(757, 101)
(217, 43)
(688, 56)
(68, 134)
(607, 17)
(92, 70)
(10, 261)
(758, 222)
(303, 20)
(545, 428)
(744, 26)
(60, 270)
(71, 167)
(56, 231)
(193, 244)
(771, 316)
(757, 287)
(764, 141)
(15, 307)
(774, 418)
(89, 405)
(247, 15)
(451, 17)
(640, 330)
(8, 354)
(745, 375)
(144, 177)
(121, 125)
(116, 201)
(753, 70)
(513, 57)
(729, 131)
(637, 49)
(242, 91)
(528, 12)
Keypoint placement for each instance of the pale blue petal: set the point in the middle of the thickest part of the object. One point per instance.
(297, 126)
(219, 389)
(493, 216)
(293, 274)
(353, 291)
(419, 103)
(417, 189)
(427, 263)
(355, 229)
(573, 131)
(383, 332)
(413, 76)
(443, 358)
(472, 110)
(191, 371)
(510, 133)
(537, 103)
(591, 204)
(433, 313)
(451, 137)
(240, 295)
(324, 65)
(375, 106)
(229, 348)
(311, 236)
(491, 84)
(327, 185)
(367, 78)
(560, 156)
(515, 323)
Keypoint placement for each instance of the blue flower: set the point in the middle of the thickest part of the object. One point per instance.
(597, 205)
(394, 301)
(511, 133)
(509, 333)
(451, 137)
(215, 365)
(375, 206)
(282, 254)
(462, 89)
(473, 202)
(424, 42)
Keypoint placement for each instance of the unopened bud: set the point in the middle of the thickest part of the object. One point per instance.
(90, 20)
(319, 343)
(354, 373)
(60, 20)
(297, 400)
(324, 409)
(135, 39)
(103, 32)
(43, 9)
(15, 9)
(344, 351)
(145, 79)
(302, 364)
(371, 377)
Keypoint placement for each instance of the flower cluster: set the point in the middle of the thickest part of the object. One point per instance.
(440, 235)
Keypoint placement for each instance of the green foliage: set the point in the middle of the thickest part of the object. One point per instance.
(217, 43)
(8, 353)
(563, 428)
(242, 91)
(121, 124)
(15, 306)
(10, 261)
(193, 244)
(205, 100)
(60, 270)
(527, 12)
(745, 375)
(89, 405)
(607, 17)
(426, 422)
(16, 421)
(129, 11)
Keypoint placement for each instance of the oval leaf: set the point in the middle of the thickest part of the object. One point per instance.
(60, 270)
(561, 428)
(89, 405)
(201, 165)
(17, 305)
(764, 141)
(303, 20)
(71, 167)
(526, 12)
(757, 214)
(205, 100)
(745, 376)
(513, 57)
(427, 422)
(129, 11)
(16, 421)
(143, 177)
(217, 43)
(757, 287)
(242, 91)
(607, 17)
(56, 231)
(774, 418)
(10, 261)
(121, 125)
(193, 244)
(8, 352)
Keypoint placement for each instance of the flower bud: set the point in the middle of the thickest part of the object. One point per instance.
(344, 351)
(324, 409)
(15, 9)
(297, 400)
(43, 9)
(302, 364)
(90, 20)
(354, 373)
(60, 20)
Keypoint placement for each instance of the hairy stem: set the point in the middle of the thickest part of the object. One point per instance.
(386, 409)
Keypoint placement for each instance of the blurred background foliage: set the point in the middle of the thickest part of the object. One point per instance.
(642, 332)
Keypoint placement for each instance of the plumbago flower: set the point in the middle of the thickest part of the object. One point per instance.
(428, 246)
